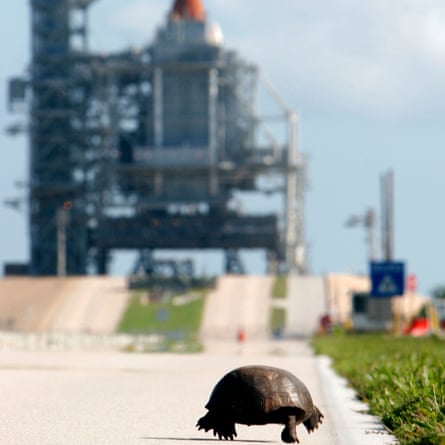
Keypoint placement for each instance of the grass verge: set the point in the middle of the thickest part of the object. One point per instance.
(277, 321)
(278, 314)
(279, 287)
(401, 379)
(174, 319)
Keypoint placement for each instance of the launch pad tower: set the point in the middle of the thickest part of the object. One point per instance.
(145, 149)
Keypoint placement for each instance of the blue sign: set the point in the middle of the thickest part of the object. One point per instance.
(387, 278)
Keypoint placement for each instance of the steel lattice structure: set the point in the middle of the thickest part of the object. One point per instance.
(145, 149)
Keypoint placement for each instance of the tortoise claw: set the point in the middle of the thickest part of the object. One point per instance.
(225, 436)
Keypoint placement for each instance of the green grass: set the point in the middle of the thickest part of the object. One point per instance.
(175, 323)
(402, 380)
(279, 287)
(277, 320)
(278, 314)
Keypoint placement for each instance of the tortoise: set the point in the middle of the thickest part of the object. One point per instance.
(257, 395)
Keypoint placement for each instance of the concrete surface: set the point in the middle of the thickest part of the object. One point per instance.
(352, 423)
(111, 398)
(92, 304)
(25, 301)
(116, 399)
(305, 304)
(238, 303)
(69, 304)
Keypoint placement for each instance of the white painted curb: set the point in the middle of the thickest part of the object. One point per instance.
(353, 425)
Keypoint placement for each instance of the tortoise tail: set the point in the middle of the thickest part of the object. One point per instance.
(312, 423)
(224, 428)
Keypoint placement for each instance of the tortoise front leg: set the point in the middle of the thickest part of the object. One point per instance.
(289, 434)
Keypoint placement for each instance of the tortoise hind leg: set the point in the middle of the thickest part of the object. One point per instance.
(224, 428)
(289, 434)
(314, 420)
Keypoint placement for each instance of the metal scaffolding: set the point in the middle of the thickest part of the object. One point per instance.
(145, 149)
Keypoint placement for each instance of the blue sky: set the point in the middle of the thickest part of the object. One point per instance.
(366, 79)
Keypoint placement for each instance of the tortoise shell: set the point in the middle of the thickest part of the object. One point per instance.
(257, 395)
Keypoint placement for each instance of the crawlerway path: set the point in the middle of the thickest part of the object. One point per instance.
(113, 398)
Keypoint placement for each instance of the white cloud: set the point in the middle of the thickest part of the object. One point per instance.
(432, 36)
(385, 58)
(117, 24)
(139, 16)
(379, 57)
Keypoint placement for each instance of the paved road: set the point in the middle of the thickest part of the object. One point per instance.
(116, 399)
(25, 301)
(306, 302)
(111, 398)
(91, 304)
(238, 302)
(69, 304)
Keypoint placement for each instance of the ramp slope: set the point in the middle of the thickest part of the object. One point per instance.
(71, 304)
(306, 303)
(238, 303)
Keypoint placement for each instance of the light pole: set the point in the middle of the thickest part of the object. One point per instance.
(367, 220)
(62, 221)
(387, 199)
